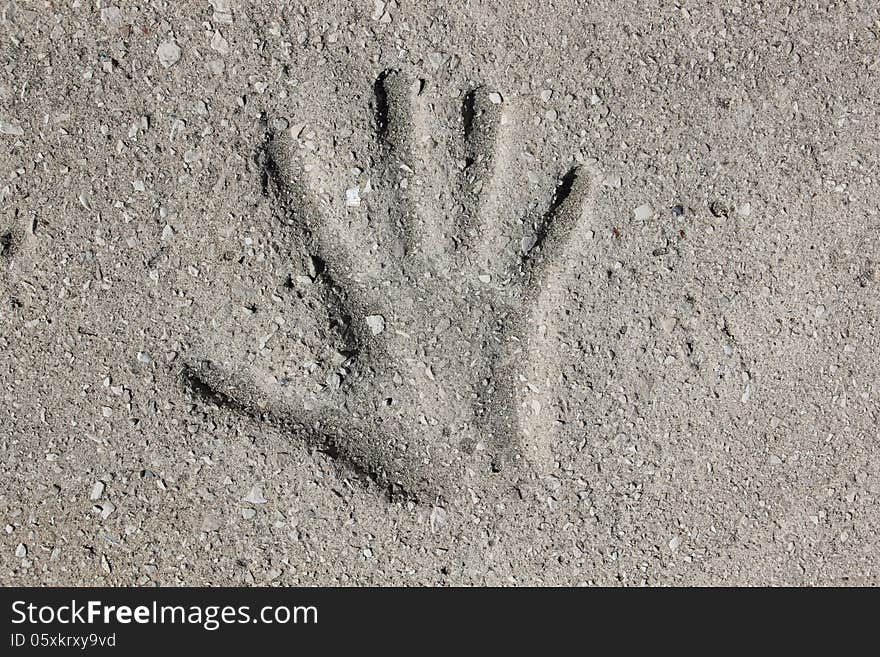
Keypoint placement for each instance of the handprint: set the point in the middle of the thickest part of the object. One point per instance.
(393, 329)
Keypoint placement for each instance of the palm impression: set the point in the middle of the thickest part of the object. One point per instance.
(384, 309)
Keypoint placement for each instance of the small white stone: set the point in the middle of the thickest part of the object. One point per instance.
(436, 59)
(495, 98)
(614, 182)
(21, 551)
(353, 196)
(674, 543)
(485, 278)
(177, 127)
(255, 495)
(211, 523)
(97, 491)
(668, 324)
(528, 243)
(437, 518)
(296, 129)
(376, 323)
(111, 17)
(219, 44)
(644, 212)
(7, 128)
(546, 95)
(168, 53)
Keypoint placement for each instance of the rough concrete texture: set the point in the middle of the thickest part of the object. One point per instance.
(412, 293)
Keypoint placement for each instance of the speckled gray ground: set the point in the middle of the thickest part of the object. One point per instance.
(672, 379)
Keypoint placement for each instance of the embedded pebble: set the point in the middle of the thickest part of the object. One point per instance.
(495, 98)
(437, 518)
(177, 127)
(21, 551)
(219, 44)
(7, 128)
(211, 523)
(376, 323)
(614, 182)
(255, 495)
(112, 17)
(643, 212)
(97, 490)
(168, 53)
(353, 196)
